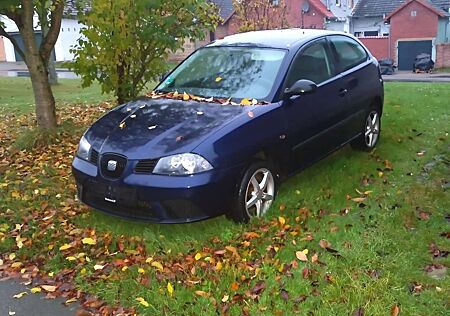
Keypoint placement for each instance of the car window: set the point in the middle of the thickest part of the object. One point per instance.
(349, 52)
(227, 72)
(312, 63)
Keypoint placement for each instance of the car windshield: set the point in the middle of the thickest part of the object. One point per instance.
(227, 72)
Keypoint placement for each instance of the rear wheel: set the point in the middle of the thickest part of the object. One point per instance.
(371, 131)
(256, 193)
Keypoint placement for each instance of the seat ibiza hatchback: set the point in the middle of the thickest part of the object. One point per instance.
(218, 134)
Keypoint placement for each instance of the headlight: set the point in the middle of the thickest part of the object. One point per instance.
(182, 164)
(84, 149)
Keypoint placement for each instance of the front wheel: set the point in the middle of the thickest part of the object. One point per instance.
(371, 132)
(256, 193)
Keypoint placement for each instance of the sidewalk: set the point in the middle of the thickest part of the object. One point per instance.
(409, 76)
(30, 304)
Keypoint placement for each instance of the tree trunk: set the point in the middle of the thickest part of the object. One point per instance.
(43, 96)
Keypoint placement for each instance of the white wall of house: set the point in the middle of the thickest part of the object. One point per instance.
(335, 26)
(68, 36)
(370, 24)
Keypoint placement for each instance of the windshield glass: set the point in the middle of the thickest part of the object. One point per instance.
(227, 72)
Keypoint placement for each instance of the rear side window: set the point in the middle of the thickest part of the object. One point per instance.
(349, 52)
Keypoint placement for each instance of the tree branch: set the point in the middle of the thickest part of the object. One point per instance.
(13, 41)
(49, 41)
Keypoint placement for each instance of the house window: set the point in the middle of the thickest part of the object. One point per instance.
(413, 13)
(358, 34)
(371, 33)
(338, 3)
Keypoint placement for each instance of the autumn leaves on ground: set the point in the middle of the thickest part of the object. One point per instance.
(356, 234)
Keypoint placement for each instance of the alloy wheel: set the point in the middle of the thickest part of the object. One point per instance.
(372, 130)
(260, 193)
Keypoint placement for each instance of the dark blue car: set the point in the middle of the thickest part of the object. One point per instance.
(222, 129)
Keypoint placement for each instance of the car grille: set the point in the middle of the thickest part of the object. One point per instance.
(93, 157)
(110, 159)
(145, 166)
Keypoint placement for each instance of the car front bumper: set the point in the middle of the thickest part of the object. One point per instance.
(157, 198)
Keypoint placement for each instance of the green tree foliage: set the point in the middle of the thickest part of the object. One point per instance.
(36, 57)
(255, 15)
(126, 42)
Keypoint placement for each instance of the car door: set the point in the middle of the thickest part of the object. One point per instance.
(312, 118)
(359, 77)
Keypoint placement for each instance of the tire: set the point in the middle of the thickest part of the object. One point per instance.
(248, 202)
(371, 131)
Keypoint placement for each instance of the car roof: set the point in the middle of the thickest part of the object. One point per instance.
(285, 39)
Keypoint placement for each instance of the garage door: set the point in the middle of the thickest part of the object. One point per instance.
(408, 50)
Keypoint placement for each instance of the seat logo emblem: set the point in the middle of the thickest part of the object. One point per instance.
(112, 165)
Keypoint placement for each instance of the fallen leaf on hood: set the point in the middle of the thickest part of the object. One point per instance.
(185, 96)
(122, 125)
(152, 127)
(251, 114)
(246, 102)
(218, 79)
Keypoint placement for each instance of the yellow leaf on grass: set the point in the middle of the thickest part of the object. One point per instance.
(225, 298)
(65, 247)
(12, 256)
(281, 220)
(71, 258)
(20, 295)
(170, 288)
(202, 294)
(149, 259)
(88, 241)
(302, 255)
(49, 288)
(36, 290)
(198, 256)
(141, 271)
(157, 265)
(219, 266)
(359, 199)
(98, 267)
(16, 264)
(142, 301)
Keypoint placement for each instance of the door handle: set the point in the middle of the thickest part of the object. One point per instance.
(343, 92)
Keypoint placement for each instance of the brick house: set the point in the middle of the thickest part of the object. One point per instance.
(401, 29)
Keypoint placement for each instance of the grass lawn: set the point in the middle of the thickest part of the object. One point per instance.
(356, 233)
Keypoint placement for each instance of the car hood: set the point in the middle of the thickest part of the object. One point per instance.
(149, 128)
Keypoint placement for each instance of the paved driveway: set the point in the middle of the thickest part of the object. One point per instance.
(30, 304)
(409, 76)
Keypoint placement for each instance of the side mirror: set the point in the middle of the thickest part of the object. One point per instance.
(300, 87)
